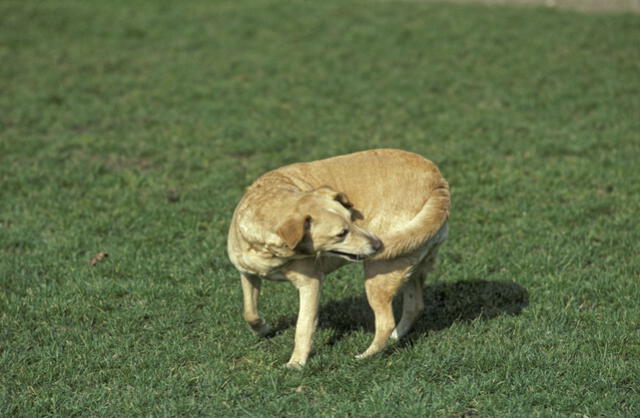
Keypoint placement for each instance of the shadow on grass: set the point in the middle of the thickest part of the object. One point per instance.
(445, 304)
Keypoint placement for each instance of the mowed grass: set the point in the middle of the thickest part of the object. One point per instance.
(132, 128)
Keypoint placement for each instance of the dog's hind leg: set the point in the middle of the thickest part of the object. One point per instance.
(251, 293)
(382, 281)
(412, 304)
(412, 295)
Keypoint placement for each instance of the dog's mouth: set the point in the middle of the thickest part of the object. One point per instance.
(348, 256)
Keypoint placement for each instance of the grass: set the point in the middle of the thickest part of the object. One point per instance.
(133, 127)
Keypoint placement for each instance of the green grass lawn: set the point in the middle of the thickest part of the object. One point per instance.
(132, 128)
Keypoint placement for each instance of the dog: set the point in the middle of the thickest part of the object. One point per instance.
(387, 209)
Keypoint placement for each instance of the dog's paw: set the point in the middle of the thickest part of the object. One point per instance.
(373, 349)
(294, 365)
(361, 356)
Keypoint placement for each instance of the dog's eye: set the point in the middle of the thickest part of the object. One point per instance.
(343, 233)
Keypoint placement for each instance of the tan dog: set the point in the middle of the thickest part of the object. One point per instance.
(386, 208)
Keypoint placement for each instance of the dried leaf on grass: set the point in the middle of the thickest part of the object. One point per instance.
(98, 257)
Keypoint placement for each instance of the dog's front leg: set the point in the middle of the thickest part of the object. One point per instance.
(250, 293)
(309, 285)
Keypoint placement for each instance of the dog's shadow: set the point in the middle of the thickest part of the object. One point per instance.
(445, 304)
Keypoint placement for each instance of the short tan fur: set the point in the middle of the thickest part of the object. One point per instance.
(385, 208)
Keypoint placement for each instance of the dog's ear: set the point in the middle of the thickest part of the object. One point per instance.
(293, 229)
(337, 196)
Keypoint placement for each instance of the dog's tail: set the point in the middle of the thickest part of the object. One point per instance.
(430, 223)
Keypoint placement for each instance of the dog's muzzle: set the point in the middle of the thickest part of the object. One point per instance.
(376, 247)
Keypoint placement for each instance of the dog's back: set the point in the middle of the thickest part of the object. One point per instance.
(402, 196)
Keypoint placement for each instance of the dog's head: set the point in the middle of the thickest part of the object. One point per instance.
(322, 221)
